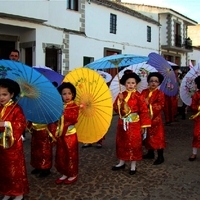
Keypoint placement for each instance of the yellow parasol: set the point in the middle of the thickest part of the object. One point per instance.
(94, 96)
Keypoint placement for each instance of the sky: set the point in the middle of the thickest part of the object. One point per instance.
(189, 8)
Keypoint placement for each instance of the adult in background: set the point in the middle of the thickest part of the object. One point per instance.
(14, 55)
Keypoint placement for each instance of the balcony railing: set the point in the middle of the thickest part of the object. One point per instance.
(178, 40)
(188, 43)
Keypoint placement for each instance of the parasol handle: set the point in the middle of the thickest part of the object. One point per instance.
(120, 88)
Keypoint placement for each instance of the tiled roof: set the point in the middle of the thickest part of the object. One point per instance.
(119, 7)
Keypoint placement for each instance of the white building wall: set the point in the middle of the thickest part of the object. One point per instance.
(163, 30)
(95, 49)
(37, 9)
(60, 16)
(131, 33)
(52, 12)
(46, 35)
(194, 56)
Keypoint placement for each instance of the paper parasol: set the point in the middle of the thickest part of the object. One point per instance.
(93, 93)
(187, 88)
(169, 85)
(141, 69)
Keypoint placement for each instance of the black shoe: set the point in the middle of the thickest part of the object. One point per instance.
(132, 172)
(87, 145)
(36, 171)
(158, 161)
(149, 155)
(44, 173)
(114, 168)
(99, 146)
(192, 158)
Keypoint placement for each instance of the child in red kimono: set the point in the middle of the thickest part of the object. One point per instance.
(13, 176)
(195, 106)
(155, 99)
(133, 119)
(66, 161)
(171, 102)
(42, 147)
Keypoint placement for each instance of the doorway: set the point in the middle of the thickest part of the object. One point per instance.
(5, 48)
(28, 56)
(51, 58)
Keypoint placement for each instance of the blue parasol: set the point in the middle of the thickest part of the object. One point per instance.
(118, 60)
(39, 99)
(52, 75)
(169, 85)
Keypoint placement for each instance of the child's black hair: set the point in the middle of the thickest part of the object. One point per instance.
(197, 81)
(69, 86)
(12, 86)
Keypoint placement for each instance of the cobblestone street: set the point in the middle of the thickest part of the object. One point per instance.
(177, 178)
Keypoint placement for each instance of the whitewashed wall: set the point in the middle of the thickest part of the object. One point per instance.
(37, 9)
(131, 32)
(46, 35)
(195, 55)
(60, 16)
(163, 30)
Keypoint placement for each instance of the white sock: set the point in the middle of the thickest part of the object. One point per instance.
(63, 177)
(133, 165)
(6, 197)
(194, 150)
(121, 162)
(72, 178)
(20, 197)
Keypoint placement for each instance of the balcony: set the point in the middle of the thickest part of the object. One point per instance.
(180, 45)
(178, 40)
(188, 43)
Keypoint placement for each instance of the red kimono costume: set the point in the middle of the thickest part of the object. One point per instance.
(66, 161)
(13, 176)
(195, 106)
(170, 108)
(41, 144)
(129, 137)
(155, 134)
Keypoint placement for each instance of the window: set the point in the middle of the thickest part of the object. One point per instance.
(72, 5)
(148, 34)
(87, 60)
(178, 37)
(113, 23)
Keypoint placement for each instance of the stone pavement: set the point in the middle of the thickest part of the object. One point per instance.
(177, 178)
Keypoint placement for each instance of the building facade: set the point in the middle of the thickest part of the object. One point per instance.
(64, 34)
(174, 42)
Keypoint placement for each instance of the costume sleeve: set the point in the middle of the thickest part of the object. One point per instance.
(18, 123)
(121, 108)
(52, 128)
(145, 119)
(157, 103)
